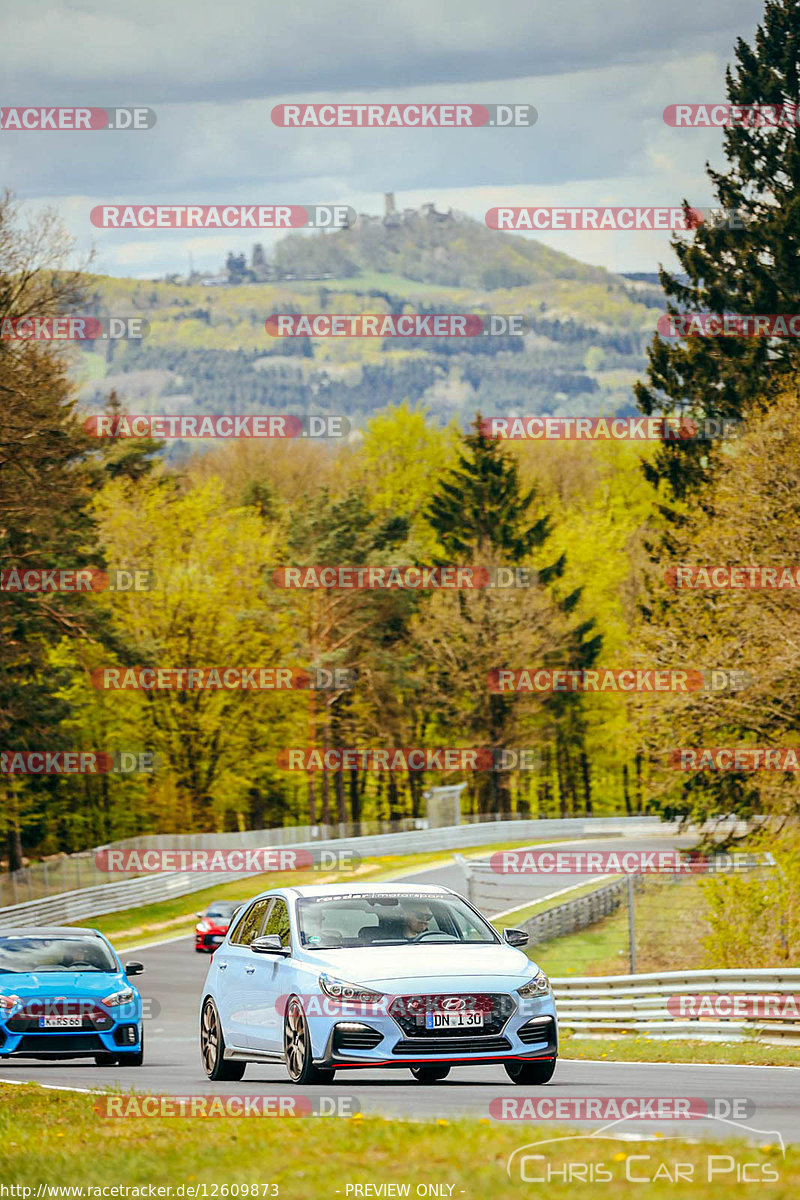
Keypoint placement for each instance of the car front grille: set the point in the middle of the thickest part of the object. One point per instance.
(60, 1043)
(409, 1012)
(27, 1020)
(452, 1046)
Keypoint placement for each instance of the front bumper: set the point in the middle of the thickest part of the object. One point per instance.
(377, 1040)
(209, 942)
(21, 1036)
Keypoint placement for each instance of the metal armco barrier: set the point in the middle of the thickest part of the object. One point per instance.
(81, 904)
(577, 914)
(616, 1005)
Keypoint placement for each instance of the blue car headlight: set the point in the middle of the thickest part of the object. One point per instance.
(125, 996)
(538, 985)
(8, 1004)
(339, 989)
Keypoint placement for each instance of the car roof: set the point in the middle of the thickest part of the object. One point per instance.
(50, 931)
(380, 889)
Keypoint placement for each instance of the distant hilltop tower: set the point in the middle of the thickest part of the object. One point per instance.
(388, 204)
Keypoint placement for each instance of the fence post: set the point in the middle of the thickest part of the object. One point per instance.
(465, 868)
(631, 927)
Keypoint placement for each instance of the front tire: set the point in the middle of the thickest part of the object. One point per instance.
(212, 1046)
(430, 1074)
(535, 1072)
(297, 1047)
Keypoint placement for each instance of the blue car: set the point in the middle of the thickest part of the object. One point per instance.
(327, 978)
(65, 994)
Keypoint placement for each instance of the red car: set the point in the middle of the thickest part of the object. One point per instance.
(213, 924)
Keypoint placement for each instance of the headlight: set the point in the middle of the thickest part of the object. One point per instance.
(8, 1002)
(539, 985)
(348, 991)
(123, 997)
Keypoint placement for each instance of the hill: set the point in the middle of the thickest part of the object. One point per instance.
(208, 349)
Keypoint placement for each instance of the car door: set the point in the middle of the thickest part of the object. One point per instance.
(234, 971)
(271, 983)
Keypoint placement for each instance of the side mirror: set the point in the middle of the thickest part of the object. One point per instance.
(134, 968)
(200, 916)
(515, 937)
(270, 943)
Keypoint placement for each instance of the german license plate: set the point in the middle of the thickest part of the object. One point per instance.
(60, 1021)
(456, 1020)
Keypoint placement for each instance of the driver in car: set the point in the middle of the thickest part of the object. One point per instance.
(416, 921)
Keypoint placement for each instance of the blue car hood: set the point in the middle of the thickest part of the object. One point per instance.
(46, 984)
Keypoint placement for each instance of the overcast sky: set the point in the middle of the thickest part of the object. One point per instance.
(599, 72)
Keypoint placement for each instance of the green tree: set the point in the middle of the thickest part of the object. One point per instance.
(730, 269)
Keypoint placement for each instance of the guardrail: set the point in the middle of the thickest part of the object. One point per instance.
(73, 872)
(616, 1005)
(577, 914)
(81, 904)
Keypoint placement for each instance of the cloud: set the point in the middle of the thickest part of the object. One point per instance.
(599, 75)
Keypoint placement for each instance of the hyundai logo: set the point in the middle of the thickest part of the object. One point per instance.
(454, 1003)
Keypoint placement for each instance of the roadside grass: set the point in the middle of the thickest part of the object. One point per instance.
(55, 1138)
(638, 1048)
(173, 917)
(669, 928)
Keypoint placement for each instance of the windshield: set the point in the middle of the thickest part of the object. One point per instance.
(21, 954)
(221, 910)
(391, 919)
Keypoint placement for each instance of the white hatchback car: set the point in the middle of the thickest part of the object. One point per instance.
(331, 977)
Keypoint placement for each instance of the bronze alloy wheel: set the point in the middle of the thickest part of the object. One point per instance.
(212, 1047)
(297, 1047)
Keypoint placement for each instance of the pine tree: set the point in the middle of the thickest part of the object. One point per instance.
(752, 269)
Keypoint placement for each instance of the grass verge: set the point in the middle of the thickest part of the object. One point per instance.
(638, 1048)
(670, 932)
(55, 1138)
